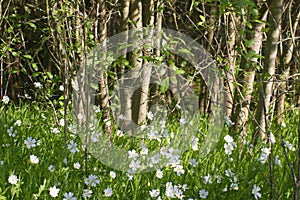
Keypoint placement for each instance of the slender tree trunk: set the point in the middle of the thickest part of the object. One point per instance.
(270, 54)
(285, 64)
(104, 94)
(231, 38)
(244, 96)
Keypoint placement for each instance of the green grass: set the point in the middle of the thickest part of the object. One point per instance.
(35, 180)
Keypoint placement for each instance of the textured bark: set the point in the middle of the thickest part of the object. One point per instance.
(244, 96)
(270, 54)
(231, 39)
(285, 64)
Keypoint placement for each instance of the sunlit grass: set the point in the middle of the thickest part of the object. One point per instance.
(60, 170)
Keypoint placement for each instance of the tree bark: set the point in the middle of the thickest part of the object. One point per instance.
(270, 54)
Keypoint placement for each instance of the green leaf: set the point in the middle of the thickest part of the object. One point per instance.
(179, 71)
(34, 66)
(27, 56)
(10, 29)
(32, 25)
(95, 86)
(164, 85)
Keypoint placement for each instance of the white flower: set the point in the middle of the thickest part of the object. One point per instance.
(72, 146)
(53, 191)
(159, 174)
(54, 130)
(265, 152)
(207, 179)
(87, 193)
(112, 174)
(179, 170)
(11, 132)
(228, 147)
(61, 88)
(132, 154)
(203, 194)
(195, 144)
(18, 122)
(219, 178)
(30, 142)
(135, 165)
(96, 109)
(38, 85)
(144, 151)
(182, 121)
(13, 179)
(62, 122)
(69, 196)
(234, 186)
(92, 180)
(289, 145)
(228, 121)
(193, 162)
(228, 139)
(155, 159)
(34, 159)
(272, 138)
(5, 99)
(122, 117)
(150, 115)
(277, 161)
(119, 133)
(76, 165)
(108, 192)
(255, 191)
(154, 193)
(51, 168)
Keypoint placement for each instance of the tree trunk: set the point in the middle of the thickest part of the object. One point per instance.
(244, 95)
(270, 54)
(285, 64)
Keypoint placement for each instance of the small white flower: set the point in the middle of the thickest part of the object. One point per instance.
(96, 109)
(51, 168)
(30, 142)
(193, 162)
(159, 174)
(34, 159)
(203, 194)
(179, 170)
(69, 196)
(135, 165)
(38, 85)
(61, 88)
(11, 132)
(277, 161)
(234, 186)
(289, 145)
(195, 144)
(5, 99)
(87, 193)
(150, 115)
(132, 154)
(229, 147)
(13, 179)
(272, 138)
(54, 130)
(228, 139)
(182, 121)
(112, 174)
(72, 146)
(108, 192)
(92, 180)
(255, 191)
(62, 122)
(18, 122)
(53, 191)
(76, 165)
(154, 193)
(207, 179)
(228, 121)
(144, 151)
